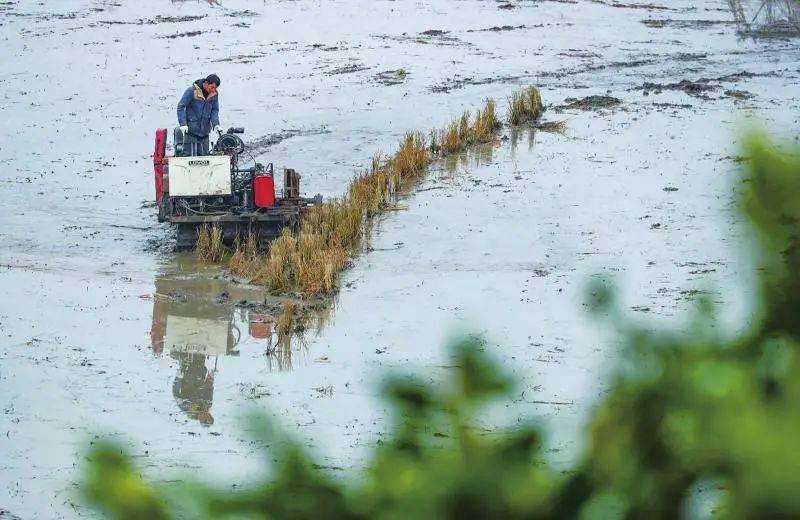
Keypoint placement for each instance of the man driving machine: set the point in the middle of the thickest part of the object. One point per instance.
(198, 114)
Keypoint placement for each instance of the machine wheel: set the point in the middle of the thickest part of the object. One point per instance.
(187, 237)
(163, 209)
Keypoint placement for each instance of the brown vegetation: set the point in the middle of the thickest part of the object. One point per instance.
(464, 131)
(209, 244)
(312, 260)
(243, 261)
(524, 106)
(276, 271)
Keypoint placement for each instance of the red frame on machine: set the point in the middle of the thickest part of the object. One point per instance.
(159, 164)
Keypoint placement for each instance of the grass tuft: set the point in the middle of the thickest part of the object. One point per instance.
(524, 106)
(451, 139)
(465, 131)
(277, 272)
(318, 265)
(209, 246)
(411, 158)
(245, 260)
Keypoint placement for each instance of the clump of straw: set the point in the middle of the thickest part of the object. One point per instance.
(524, 106)
(209, 246)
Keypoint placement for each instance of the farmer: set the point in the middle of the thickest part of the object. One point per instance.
(198, 113)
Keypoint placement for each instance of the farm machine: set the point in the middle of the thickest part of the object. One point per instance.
(193, 191)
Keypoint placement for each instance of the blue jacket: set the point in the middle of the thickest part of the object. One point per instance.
(199, 113)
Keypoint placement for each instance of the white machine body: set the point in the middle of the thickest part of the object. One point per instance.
(204, 175)
(197, 335)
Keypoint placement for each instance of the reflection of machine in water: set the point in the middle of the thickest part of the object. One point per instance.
(195, 320)
(196, 330)
(194, 341)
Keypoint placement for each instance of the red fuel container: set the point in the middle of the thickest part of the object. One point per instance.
(264, 191)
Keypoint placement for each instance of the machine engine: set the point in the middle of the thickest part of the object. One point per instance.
(215, 189)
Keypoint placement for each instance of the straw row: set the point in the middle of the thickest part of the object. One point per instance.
(311, 260)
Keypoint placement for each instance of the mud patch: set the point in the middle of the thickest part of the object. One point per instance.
(456, 82)
(152, 21)
(241, 58)
(246, 13)
(46, 17)
(672, 105)
(692, 294)
(391, 77)
(739, 94)
(187, 34)
(685, 24)
(589, 103)
(622, 5)
(178, 19)
(690, 56)
(693, 88)
(503, 28)
(347, 69)
(438, 37)
(323, 47)
(633, 63)
(699, 87)
(428, 37)
(253, 391)
(162, 241)
(579, 53)
(262, 144)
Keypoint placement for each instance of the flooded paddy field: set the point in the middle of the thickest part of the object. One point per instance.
(105, 330)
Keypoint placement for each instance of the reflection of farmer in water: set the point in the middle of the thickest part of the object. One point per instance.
(194, 329)
(194, 386)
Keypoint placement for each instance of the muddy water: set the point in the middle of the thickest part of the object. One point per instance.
(106, 331)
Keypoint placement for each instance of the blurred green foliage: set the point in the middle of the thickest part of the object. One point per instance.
(685, 408)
